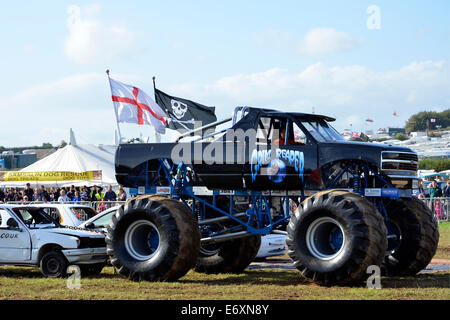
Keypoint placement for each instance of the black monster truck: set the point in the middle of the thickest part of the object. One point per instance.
(205, 203)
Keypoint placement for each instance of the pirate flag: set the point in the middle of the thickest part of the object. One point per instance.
(184, 113)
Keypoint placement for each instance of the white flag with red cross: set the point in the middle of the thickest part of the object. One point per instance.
(132, 105)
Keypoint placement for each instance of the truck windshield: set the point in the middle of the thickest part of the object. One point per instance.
(321, 130)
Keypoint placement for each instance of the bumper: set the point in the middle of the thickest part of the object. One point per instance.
(86, 256)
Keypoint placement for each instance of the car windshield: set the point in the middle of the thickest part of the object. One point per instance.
(35, 217)
(103, 221)
(321, 130)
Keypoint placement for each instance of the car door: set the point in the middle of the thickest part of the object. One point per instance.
(15, 243)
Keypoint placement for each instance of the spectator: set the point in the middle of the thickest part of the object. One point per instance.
(11, 195)
(435, 191)
(29, 192)
(25, 198)
(17, 195)
(76, 197)
(84, 194)
(44, 199)
(447, 189)
(122, 195)
(54, 194)
(36, 196)
(43, 193)
(71, 192)
(63, 197)
(110, 195)
(96, 194)
(2, 196)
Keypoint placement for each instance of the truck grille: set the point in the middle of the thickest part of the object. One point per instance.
(399, 163)
(399, 156)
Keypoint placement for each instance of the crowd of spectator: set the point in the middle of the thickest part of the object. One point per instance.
(70, 194)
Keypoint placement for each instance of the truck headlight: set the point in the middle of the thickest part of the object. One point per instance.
(415, 184)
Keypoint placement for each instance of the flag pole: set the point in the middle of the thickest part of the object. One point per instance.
(157, 135)
(115, 112)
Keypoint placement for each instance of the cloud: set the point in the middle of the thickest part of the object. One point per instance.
(326, 41)
(353, 93)
(342, 92)
(90, 40)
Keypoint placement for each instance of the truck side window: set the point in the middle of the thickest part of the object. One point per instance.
(299, 135)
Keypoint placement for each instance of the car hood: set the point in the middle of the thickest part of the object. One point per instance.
(75, 232)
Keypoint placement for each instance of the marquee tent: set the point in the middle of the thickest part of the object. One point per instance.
(74, 164)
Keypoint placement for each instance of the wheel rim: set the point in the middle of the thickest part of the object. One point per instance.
(52, 266)
(142, 240)
(325, 238)
(210, 250)
(394, 236)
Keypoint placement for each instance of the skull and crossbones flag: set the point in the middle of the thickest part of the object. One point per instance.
(183, 114)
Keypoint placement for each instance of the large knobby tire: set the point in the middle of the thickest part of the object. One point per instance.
(231, 256)
(415, 236)
(334, 236)
(53, 264)
(153, 238)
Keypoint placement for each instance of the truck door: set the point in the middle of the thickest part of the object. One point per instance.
(15, 242)
(279, 160)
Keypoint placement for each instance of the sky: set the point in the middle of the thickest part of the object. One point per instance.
(352, 60)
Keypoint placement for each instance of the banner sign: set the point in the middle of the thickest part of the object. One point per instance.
(50, 176)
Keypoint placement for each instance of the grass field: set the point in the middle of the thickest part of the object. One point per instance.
(27, 283)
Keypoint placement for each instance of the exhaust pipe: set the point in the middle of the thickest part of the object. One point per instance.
(219, 219)
(225, 237)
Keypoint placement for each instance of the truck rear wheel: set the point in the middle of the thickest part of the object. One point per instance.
(334, 236)
(154, 238)
(413, 237)
(231, 256)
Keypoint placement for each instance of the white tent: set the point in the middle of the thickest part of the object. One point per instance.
(74, 158)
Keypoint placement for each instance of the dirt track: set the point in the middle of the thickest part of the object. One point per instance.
(436, 265)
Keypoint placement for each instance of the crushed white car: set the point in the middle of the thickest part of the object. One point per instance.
(30, 237)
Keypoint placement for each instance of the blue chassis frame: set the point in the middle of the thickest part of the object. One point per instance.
(259, 220)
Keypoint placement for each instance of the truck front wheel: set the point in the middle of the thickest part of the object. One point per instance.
(334, 236)
(153, 238)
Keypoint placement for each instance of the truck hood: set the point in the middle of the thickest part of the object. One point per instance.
(367, 151)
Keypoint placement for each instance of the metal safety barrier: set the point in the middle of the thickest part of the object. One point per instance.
(98, 206)
(439, 207)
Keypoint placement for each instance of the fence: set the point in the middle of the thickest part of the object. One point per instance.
(439, 207)
(98, 206)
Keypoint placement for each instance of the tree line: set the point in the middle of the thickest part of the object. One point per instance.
(422, 121)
